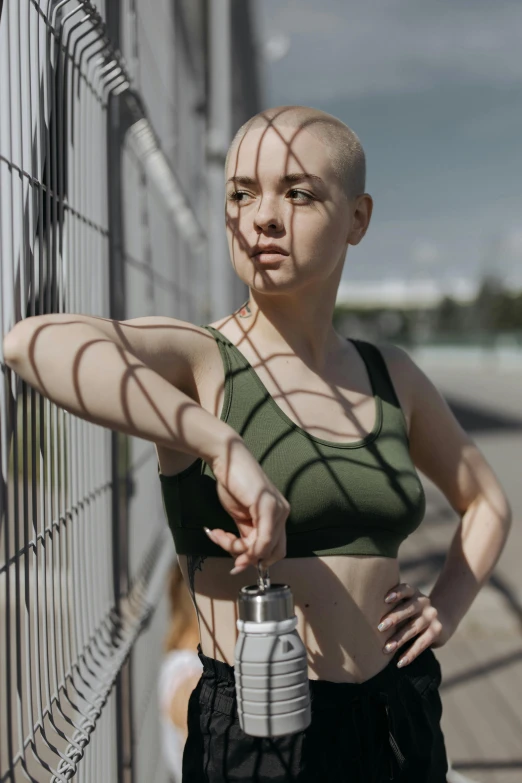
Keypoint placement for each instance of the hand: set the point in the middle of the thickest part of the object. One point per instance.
(420, 620)
(254, 503)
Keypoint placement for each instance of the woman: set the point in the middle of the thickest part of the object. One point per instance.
(179, 673)
(280, 441)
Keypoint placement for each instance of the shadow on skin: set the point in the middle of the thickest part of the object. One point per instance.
(332, 616)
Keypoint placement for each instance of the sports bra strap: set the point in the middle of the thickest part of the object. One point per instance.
(378, 369)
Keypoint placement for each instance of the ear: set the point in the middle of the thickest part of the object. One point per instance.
(362, 213)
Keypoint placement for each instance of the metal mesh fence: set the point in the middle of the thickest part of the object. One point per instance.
(103, 182)
(61, 641)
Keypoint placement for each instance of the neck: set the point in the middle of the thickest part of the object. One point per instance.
(301, 321)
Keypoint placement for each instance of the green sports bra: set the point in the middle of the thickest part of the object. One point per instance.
(358, 498)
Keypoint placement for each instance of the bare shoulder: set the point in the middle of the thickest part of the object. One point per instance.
(415, 386)
(187, 356)
(404, 374)
(439, 446)
(177, 350)
(418, 395)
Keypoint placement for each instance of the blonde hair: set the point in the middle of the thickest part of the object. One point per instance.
(342, 143)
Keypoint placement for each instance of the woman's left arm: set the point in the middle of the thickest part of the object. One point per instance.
(443, 452)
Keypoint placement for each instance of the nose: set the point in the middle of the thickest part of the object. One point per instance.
(268, 216)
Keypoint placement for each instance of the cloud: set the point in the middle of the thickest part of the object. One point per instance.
(391, 47)
(425, 254)
(276, 47)
(512, 244)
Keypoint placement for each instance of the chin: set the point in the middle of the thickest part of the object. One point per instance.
(272, 283)
(281, 278)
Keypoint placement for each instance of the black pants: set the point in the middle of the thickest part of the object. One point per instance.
(386, 728)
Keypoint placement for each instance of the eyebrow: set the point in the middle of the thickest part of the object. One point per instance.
(286, 179)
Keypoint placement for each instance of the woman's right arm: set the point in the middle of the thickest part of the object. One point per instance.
(139, 377)
(111, 373)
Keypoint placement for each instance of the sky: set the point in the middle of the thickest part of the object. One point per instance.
(434, 92)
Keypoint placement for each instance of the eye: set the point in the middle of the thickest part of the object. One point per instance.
(300, 195)
(237, 195)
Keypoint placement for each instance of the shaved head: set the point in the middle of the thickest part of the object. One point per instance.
(342, 144)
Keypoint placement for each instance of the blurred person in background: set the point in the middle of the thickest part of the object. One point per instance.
(284, 443)
(179, 672)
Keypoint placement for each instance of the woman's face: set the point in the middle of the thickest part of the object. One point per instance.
(282, 190)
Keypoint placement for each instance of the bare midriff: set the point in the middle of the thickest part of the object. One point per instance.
(339, 602)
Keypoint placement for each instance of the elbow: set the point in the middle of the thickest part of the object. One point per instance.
(508, 513)
(505, 520)
(11, 348)
(501, 508)
(16, 342)
(492, 505)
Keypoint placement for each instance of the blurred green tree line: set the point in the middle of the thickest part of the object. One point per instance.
(495, 315)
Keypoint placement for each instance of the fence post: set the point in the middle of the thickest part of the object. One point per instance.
(119, 441)
(219, 132)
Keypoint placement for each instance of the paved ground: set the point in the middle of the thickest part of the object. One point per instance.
(482, 663)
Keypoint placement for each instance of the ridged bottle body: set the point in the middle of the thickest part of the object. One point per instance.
(271, 673)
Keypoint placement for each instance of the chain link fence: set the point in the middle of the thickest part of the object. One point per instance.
(105, 165)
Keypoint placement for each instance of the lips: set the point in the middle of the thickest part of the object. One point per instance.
(268, 251)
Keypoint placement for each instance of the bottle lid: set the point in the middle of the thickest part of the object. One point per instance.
(259, 605)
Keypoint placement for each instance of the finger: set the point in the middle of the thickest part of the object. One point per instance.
(400, 591)
(227, 541)
(269, 550)
(272, 513)
(406, 633)
(249, 559)
(247, 547)
(419, 645)
(239, 566)
(246, 558)
(406, 610)
(265, 541)
(267, 538)
(272, 547)
(243, 560)
(263, 551)
(279, 550)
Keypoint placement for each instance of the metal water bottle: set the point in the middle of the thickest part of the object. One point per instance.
(270, 667)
